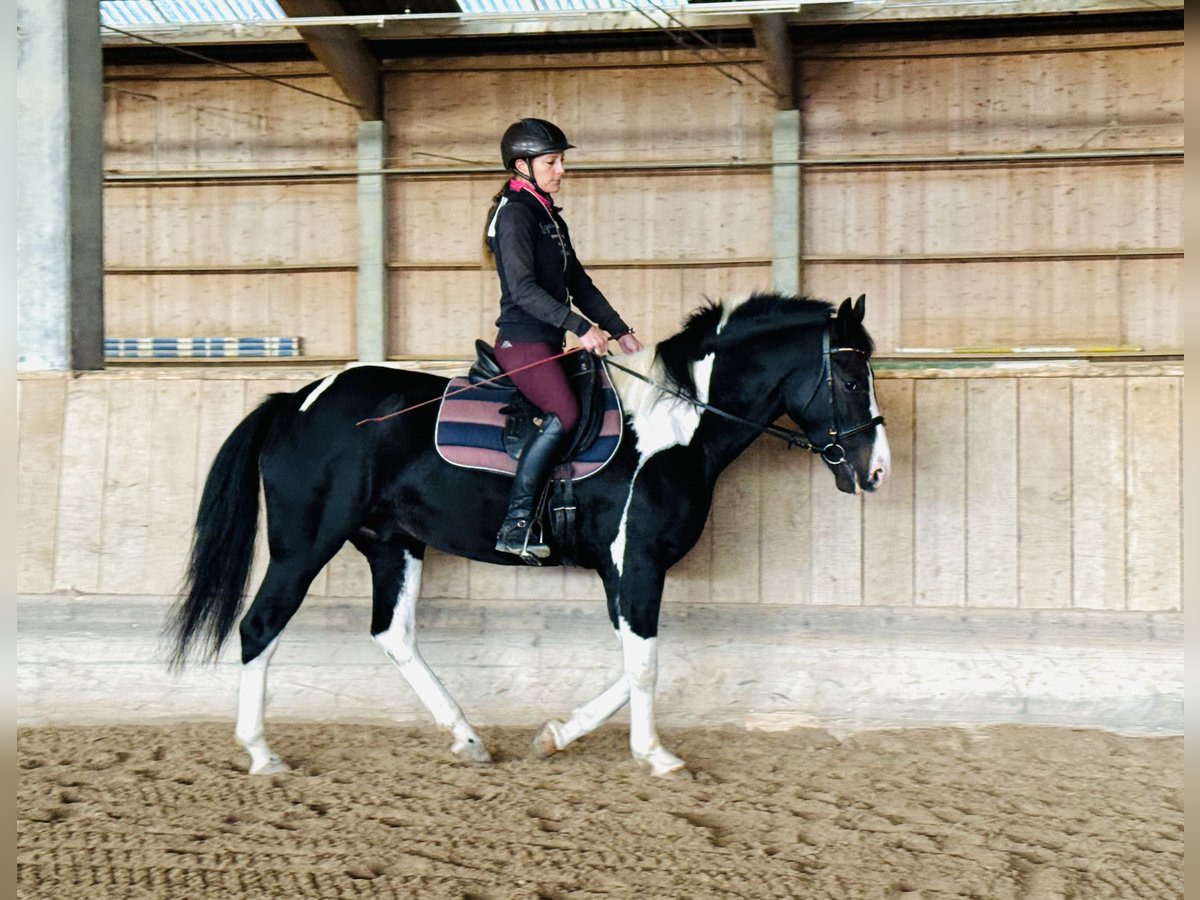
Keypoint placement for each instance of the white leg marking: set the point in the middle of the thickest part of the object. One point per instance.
(617, 550)
(587, 718)
(317, 392)
(252, 705)
(881, 453)
(641, 671)
(400, 644)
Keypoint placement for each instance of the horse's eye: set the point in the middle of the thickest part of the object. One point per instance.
(851, 385)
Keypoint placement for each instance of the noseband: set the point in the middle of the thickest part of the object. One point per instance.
(832, 451)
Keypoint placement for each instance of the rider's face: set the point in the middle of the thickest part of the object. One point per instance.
(548, 171)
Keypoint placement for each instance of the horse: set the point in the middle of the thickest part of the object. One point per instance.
(691, 404)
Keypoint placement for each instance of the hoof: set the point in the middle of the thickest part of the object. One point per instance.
(472, 752)
(273, 766)
(545, 742)
(663, 764)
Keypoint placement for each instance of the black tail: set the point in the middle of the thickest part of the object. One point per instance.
(223, 542)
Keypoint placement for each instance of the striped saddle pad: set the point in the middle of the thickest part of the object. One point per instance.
(470, 430)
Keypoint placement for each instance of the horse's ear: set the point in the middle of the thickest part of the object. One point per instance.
(845, 311)
(860, 307)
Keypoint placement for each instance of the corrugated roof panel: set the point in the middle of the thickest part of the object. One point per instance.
(157, 12)
(535, 6)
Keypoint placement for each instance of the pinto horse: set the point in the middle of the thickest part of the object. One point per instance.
(692, 404)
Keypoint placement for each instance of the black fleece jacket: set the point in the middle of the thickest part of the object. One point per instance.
(540, 277)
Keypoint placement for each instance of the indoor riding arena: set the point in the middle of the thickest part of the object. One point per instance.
(966, 683)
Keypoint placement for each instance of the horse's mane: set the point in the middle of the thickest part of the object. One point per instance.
(719, 326)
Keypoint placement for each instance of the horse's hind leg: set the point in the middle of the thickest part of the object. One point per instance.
(280, 595)
(555, 735)
(396, 576)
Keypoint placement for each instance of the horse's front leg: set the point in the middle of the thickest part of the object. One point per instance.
(641, 670)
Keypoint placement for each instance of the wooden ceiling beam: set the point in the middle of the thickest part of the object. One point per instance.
(778, 56)
(344, 54)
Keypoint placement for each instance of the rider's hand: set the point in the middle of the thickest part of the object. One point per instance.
(629, 343)
(595, 341)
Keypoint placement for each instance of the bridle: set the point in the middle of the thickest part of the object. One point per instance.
(832, 451)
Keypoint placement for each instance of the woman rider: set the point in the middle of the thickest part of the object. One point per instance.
(540, 280)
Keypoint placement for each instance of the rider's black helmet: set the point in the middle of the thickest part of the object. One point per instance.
(529, 138)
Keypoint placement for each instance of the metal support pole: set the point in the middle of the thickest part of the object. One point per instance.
(372, 243)
(786, 205)
(60, 251)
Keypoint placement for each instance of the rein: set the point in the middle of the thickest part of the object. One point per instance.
(833, 452)
(440, 397)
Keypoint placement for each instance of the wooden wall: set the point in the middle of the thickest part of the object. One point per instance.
(1047, 488)
(1042, 486)
(1079, 253)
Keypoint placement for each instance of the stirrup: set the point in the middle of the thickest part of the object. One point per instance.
(532, 554)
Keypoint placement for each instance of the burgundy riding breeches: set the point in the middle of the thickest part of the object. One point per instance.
(545, 386)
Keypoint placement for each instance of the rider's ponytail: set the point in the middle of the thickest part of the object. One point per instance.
(488, 259)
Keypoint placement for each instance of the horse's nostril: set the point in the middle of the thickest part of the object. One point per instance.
(877, 477)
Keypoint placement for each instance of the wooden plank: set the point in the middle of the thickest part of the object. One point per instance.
(1098, 473)
(124, 524)
(632, 112)
(691, 579)
(933, 209)
(539, 584)
(445, 577)
(1044, 492)
(1011, 304)
(991, 524)
(175, 424)
(785, 544)
(1154, 517)
(835, 540)
(79, 531)
(231, 223)
(583, 584)
(349, 576)
(939, 456)
(1152, 303)
(215, 122)
(736, 529)
(887, 552)
(317, 306)
(221, 403)
(486, 581)
(993, 102)
(611, 215)
(41, 403)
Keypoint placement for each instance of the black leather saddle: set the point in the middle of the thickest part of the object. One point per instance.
(523, 418)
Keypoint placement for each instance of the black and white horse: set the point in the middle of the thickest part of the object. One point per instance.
(692, 404)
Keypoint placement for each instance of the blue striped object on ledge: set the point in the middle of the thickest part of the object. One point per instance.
(199, 347)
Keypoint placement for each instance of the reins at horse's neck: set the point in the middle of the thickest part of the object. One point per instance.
(790, 436)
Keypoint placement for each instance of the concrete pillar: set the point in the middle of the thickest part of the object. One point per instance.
(60, 149)
(786, 203)
(372, 243)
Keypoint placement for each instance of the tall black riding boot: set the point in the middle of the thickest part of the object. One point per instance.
(537, 460)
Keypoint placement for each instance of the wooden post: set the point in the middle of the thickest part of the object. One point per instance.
(787, 206)
(372, 243)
